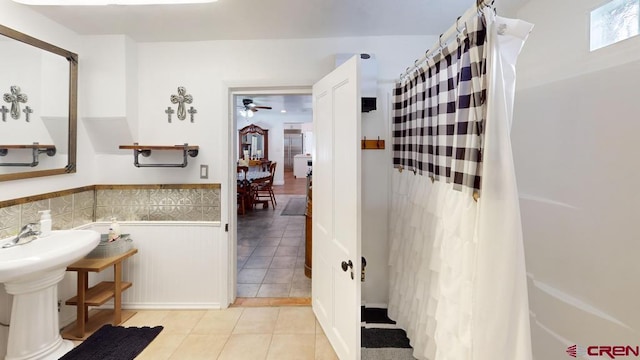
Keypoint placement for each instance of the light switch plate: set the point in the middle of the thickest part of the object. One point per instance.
(204, 171)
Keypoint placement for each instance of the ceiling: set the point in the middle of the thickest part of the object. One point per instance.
(262, 19)
(266, 19)
(298, 107)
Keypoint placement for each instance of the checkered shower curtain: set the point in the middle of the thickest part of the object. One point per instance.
(439, 112)
(457, 278)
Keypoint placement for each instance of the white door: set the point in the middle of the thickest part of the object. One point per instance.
(336, 208)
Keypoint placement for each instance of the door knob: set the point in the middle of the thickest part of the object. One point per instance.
(346, 266)
(364, 265)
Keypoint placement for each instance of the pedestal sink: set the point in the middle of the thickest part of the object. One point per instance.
(30, 273)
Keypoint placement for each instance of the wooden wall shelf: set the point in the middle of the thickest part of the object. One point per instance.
(36, 149)
(372, 144)
(145, 150)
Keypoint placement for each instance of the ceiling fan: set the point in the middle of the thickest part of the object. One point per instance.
(250, 105)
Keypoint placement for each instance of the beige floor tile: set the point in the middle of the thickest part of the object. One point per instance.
(182, 321)
(162, 347)
(324, 351)
(295, 320)
(146, 318)
(246, 347)
(218, 321)
(319, 328)
(292, 347)
(257, 321)
(200, 347)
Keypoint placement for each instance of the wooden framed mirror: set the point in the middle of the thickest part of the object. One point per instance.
(254, 143)
(46, 78)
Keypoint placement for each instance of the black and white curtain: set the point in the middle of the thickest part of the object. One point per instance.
(457, 275)
(439, 112)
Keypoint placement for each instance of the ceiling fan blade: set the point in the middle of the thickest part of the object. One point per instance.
(262, 107)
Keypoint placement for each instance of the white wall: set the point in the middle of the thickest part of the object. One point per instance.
(574, 136)
(22, 19)
(126, 110)
(207, 69)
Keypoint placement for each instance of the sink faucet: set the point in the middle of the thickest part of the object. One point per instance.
(28, 232)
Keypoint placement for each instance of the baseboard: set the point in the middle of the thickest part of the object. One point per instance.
(375, 305)
(65, 321)
(171, 306)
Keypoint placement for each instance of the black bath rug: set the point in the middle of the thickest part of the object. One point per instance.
(114, 343)
(381, 339)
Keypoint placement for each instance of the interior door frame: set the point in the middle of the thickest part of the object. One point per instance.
(230, 90)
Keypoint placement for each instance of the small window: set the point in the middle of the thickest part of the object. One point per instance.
(614, 21)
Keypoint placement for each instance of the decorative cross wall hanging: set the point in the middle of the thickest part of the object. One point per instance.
(27, 110)
(15, 98)
(192, 111)
(181, 99)
(4, 112)
(169, 111)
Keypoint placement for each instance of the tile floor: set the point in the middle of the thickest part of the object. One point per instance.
(235, 333)
(271, 253)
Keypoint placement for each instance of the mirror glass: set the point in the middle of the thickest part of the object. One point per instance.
(37, 105)
(253, 143)
(252, 146)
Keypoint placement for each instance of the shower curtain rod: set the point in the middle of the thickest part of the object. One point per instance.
(453, 30)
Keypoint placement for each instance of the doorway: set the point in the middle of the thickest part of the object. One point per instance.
(270, 248)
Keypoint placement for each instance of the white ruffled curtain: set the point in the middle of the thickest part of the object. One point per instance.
(457, 272)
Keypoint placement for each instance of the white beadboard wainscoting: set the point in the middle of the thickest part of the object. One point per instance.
(179, 265)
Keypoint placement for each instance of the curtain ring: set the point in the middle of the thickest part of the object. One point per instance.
(478, 5)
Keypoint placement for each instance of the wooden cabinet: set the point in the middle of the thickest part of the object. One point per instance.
(97, 295)
(253, 140)
(308, 243)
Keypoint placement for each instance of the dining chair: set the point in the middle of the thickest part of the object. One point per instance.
(263, 188)
(265, 166)
(243, 190)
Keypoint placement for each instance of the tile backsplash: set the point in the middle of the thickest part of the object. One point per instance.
(158, 204)
(70, 209)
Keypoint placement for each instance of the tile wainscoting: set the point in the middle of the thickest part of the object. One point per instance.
(76, 207)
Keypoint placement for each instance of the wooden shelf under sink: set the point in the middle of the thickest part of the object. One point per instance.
(100, 293)
(97, 295)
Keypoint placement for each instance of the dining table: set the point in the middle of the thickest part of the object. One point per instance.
(252, 176)
(244, 185)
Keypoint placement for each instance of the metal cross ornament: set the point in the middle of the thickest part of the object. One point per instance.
(27, 110)
(15, 98)
(4, 112)
(169, 111)
(192, 111)
(181, 99)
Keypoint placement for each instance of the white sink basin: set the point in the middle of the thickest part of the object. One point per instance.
(59, 249)
(31, 273)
